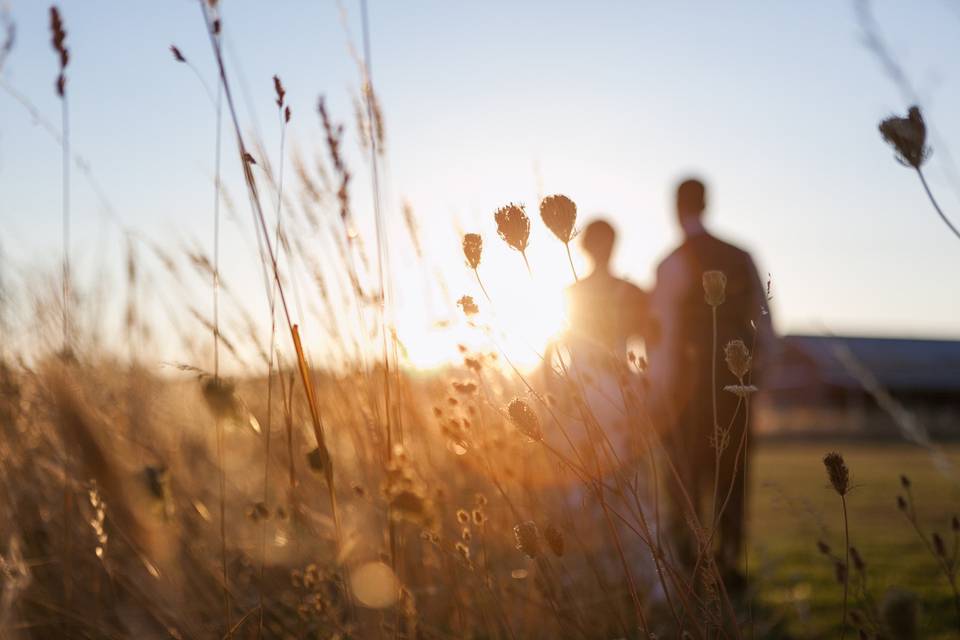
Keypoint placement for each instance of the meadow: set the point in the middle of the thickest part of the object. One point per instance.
(793, 509)
(291, 473)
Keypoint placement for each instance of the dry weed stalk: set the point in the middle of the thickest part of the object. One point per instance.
(908, 137)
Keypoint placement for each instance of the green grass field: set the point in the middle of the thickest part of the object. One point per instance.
(793, 506)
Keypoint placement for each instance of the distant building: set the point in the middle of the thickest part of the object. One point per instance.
(840, 385)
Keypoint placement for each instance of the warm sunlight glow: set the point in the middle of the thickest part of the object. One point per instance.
(526, 312)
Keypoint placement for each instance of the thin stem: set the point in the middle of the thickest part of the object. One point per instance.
(65, 115)
(716, 420)
(482, 288)
(846, 566)
(936, 206)
(221, 462)
(570, 259)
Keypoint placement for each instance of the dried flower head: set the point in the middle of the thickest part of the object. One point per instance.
(714, 287)
(840, 572)
(554, 538)
(838, 472)
(479, 518)
(58, 36)
(279, 90)
(527, 538)
(468, 305)
(463, 551)
(857, 560)
(525, 419)
(513, 225)
(738, 358)
(472, 249)
(559, 213)
(908, 137)
(176, 54)
(938, 545)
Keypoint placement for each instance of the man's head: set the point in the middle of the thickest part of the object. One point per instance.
(597, 240)
(691, 199)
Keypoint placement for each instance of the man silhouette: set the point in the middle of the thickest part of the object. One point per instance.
(680, 375)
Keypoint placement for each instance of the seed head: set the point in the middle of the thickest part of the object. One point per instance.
(463, 551)
(904, 481)
(908, 137)
(525, 419)
(468, 305)
(840, 571)
(559, 213)
(527, 538)
(279, 90)
(513, 225)
(58, 36)
(554, 538)
(714, 287)
(857, 559)
(738, 358)
(838, 472)
(176, 53)
(823, 547)
(472, 249)
(901, 503)
(938, 545)
(462, 516)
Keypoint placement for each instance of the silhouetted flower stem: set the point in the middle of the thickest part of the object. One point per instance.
(570, 259)
(846, 566)
(936, 206)
(482, 288)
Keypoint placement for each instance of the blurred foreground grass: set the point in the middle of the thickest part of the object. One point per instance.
(792, 508)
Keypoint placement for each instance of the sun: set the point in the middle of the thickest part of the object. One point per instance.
(524, 313)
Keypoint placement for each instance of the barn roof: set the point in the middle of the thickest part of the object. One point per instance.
(898, 364)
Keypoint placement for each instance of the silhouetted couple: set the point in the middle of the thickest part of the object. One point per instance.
(677, 390)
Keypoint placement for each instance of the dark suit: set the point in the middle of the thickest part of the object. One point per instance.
(681, 370)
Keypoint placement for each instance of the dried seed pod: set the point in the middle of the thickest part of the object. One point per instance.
(468, 305)
(513, 225)
(714, 287)
(857, 560)
(908, 137)
(525, 419)
(559, 213)
(472, 249)
(527, 538)
(838, 473)
(554, 538)
(738, 358)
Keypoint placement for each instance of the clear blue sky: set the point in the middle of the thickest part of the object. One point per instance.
(774, 103)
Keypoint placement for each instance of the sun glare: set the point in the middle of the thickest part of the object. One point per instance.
(524, 313)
